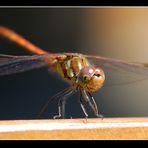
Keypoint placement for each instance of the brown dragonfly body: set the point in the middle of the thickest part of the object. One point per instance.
(75, 68)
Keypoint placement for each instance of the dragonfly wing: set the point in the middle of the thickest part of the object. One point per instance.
(120, 72)
(15, 64)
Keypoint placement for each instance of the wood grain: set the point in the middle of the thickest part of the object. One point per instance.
(107, 128)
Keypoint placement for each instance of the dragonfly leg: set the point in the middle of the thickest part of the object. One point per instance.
(82, 105)
(61, 104)
(61, 108)
(58, 95)
(89, 98)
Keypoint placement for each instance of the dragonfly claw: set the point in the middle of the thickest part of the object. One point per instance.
(100, 116)
(57, 117)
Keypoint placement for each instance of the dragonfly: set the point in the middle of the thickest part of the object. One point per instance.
(75, 68)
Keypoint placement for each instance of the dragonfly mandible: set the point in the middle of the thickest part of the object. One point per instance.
(75, 68)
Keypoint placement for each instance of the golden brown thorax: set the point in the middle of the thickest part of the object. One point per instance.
(76, 70)
(69, 67)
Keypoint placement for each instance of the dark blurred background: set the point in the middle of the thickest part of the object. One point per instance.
(120, 33)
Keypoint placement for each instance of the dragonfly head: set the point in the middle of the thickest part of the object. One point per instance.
(91, 78)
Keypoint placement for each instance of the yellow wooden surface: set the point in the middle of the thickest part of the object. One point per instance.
(107, 128)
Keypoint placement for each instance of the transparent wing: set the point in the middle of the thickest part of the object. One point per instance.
(15, 64)
(120, 72)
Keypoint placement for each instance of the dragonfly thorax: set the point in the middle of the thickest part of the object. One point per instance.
(69, 67)
(78, 71)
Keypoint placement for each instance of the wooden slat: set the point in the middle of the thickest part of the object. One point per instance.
(107, 128)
